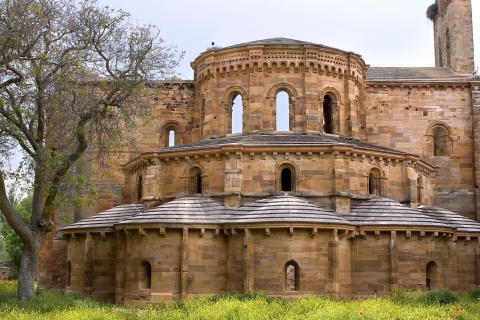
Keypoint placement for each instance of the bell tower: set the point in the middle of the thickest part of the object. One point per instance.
(453, 31)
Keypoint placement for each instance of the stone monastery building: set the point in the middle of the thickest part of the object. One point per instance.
(371, 184)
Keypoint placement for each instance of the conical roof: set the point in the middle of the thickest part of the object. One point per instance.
(388, 212)
(186, 210)
(463, 224)
(107, 219)
(285, 208)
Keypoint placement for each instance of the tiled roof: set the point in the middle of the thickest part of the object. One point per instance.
(463, 224)
(107, 218)
(429, 74)
(387, 212)
(285, 208)
(280, 140)
(186, 210)
(376, 212)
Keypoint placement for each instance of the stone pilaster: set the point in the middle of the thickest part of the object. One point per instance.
(184, 265)
(333, 264)
(249, 263)
(393, 262)
(475, 87)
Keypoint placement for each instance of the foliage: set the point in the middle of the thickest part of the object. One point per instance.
(473, 293)
(13, 244)
(71, 80)
(442, 297)
(58, 305)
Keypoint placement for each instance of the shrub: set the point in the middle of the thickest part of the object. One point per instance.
(441, 297)
(473, 293)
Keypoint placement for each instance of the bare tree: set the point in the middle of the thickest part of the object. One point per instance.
(69, 75)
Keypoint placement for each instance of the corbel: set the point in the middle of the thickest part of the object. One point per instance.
(234, 232)
(103, 235)
(167, 161)
(142, 232)
(408, 234)
(421, 235)
(196, 158)
(226, 232)
(299, 155)
(216, 233)
(252, 155)
(238, 154)
(267, 231)
(227, 155)
(377, 234)
(207, 157)
(287, 155)
(264, 155)
(467, 239)
(314, 232)
(187, 159)
(347, 155)
(177, 160)
(202, 232)
(309, 155)
(291, 231)
(363, 234)
(275, 155)
(217, 156)
(163, 232)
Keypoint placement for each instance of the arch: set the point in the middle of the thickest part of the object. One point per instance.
(431, 273)
(145, 275)
(292, 276)
(374, 183)
(441, 139)
(234, 101)
(292, 93)
(194, 180)
(329, 102)
(170, 133)
(287, 178)
(140, 188)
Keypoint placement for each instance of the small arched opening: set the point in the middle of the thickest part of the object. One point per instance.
(375, 182)
(237, 114)
(171, 138)
(431, 276)
(195, 181)
(286, 178)
(441, 141)
(328, 102)
(292, 276)
(171, 135)
(282, 106)
(140, 188)
(145, 275)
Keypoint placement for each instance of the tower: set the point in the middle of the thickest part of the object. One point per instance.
(453, 32)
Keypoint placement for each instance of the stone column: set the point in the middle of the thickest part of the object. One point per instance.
(475, 87)
(89, 256)
(393, 261)
(184, 265)
(333, 262)
(120, 265)
(249, 263)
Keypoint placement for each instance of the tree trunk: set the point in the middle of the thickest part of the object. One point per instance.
(27, 272)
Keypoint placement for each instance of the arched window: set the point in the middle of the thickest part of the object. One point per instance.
(170, 135)
(140, 188)
(447, 47)
(69, 274)
(328, 103)
(292, 278)
(195, 182)
(237, 114)
(171, 138)
(431, 276)
(375, 182)
(286, 179)
(419, 190)
(441, 141)
(145, 275)
(282, 105)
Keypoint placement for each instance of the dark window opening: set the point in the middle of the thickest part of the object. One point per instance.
(286, 179)
(440, 141)
(328, 114)
(374, 182)
(69, 274)
(140, 188)
(145, 275)
(199, 183)
(419, 190)
(431, 276)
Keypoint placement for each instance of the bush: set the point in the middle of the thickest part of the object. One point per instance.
(441, 297)
(473, 293)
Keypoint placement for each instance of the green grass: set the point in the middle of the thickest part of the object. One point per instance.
(400, 305)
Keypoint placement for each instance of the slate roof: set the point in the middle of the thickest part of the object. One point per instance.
(388, 212)
(186, 210)
(420, 74)
(463, 224)
(376, 212)
(280, 140)
(285, 208)
(107, 219)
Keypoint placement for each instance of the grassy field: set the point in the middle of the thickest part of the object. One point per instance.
(400, 305)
